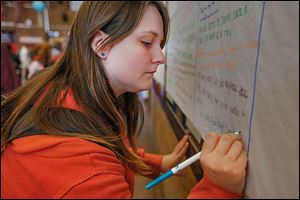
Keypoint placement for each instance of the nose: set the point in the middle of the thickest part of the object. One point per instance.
(158, 57)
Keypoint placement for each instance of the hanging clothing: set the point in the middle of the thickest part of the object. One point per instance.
(9, 78)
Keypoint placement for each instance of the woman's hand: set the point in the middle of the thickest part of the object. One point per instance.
(172, 159)
(224, 161)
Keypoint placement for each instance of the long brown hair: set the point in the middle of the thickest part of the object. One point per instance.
(82, 71)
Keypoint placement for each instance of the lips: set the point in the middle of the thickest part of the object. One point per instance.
(152, 72)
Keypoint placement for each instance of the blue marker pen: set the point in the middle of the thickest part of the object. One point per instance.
(176, 169)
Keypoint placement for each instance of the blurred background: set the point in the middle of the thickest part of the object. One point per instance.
(32, 37)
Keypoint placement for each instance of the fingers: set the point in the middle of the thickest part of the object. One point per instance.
(182, 151)
(235, 150)
(210, 142)
(225, 143)
(183, 143)
(224, 161)
(242, 160)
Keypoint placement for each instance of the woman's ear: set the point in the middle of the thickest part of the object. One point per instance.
(96, 43)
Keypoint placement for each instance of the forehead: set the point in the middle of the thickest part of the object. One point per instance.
(151, 22)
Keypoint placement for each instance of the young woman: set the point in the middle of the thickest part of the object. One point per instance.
(70, 131)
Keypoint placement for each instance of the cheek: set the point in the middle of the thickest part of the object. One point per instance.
(127, 64)
(134, 61)
(138, 63)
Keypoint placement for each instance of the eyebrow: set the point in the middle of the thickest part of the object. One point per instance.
(153, 33)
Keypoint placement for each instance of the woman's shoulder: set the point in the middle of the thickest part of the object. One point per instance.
(73, 148)
(52, 157)
(60, 147)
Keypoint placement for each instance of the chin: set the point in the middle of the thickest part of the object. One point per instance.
(149, 85)
(145, 87)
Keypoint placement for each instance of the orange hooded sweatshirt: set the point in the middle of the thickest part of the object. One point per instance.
(43, 166)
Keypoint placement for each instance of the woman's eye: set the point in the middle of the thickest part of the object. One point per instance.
(147, 44)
